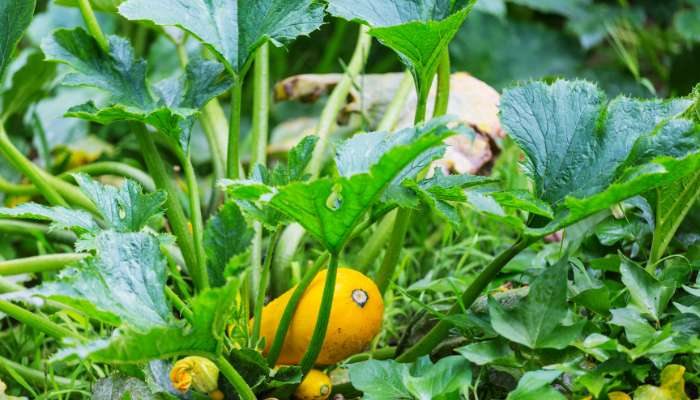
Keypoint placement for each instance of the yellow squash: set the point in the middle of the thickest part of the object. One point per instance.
(356, 317)
(315, 386)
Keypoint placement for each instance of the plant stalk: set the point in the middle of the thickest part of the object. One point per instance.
(50, 262)
(262, 285)
(234, 378)
(36, 229)
(396, 106)
(179, 304)
(117, 169)
(442, 98)
(40, 378)
(324, 314)
(391, 258)
(92, 24)
(37, 321)
(428, 342)
(233, 163)
(197, 223)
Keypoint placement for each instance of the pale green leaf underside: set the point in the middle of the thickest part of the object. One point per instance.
(233, 29)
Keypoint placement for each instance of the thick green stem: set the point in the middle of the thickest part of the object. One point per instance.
(428, 342)
(36, 264)
(41, 378)
(9, 287)
(396, 106)
(324, 314)
(262, 285)
(290, 309)
(92, 24)
(16, 189)
(117, 169)
(338, 98)
(442, 98)
(37, 321)
(233, 163)
(31, 171)
(71, 193)
(197, 224)
(175, 213)
(36, 229)
(390, 261)
(179, 304)
(261, 106)
(234, 378)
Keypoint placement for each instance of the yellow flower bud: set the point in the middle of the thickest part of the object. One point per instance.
(196, 372)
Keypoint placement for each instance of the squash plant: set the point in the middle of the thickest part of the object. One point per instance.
(156, 286)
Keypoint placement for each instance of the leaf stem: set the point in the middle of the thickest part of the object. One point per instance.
(179, 304)
(50, 262)
(428, 342)
(396, 106)
(176, 216)
(31, 171)
(41, 378)
(36, 229)
(390, 261)
(290, 309)
(92, 24)
(234, 378)
(37, 321)
(117, 169)
(8, 287)
(233, 163)
(197, 224)
(261, 106)
(442, 98)
(324, 314)
(262, 284)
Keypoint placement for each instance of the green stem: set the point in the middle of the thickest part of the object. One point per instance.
(179, 304)
(261, 106)
(16, 189)
(332, 47)
(428, 342)
(35, 229)
(117, 169)
(9, 287)
(290, 309)
(372, 247)
(442, 99)
(396, 106)
(234, 378)
(338, 98)
(71, 193)
(36, 264)
(176, 215)
(31, 171)
(37, 321)
(92, 24)
(390, 261)
(324, 314)
(262, 284)
(233, 163)
(40, 378)
(197, 225)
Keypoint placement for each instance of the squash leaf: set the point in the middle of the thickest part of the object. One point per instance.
(169, 106)
(61, 218)
(536, 322)
(122, 284)
(232, 29)
(16, 17)
(226, 236)
(29, 83)
(418, 30)
(211, 310)
(585, 154)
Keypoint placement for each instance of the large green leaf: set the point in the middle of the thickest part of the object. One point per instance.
(649, 295)
(537, 321)
(61, 218)
(227, 234)
(122, 284)
(119, 387)
(168, 106)
(205, 334)
(16, 17)
(125, 209)
(417, 30)
(233, 29)
(535, 385)
(585, 154)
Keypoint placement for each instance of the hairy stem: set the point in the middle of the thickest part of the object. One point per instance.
(290, 309)
(234, 132)
(428, 342)
(324, 314)
(442, 98)
(197, 224)
(262, 285)
(234, 378)
(51, 262)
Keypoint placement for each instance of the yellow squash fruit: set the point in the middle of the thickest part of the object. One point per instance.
(356, 318)
(315, 386)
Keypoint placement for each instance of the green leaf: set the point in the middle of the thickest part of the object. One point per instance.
(225, 236)
(589, 291)
(523, 200)
(534, 385)
(16, 17)
(123, 284)
(536, 322)
(423, 380)
(585, 154)
(687, 25)
(672, 205)
(233, 29)
(119, 387)
(29, 83)
(494, 352)
(61, 218)
(125, 209)
(418, 31)
(647, 293)
(211, 310)
(637, 329)
(168, 106)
